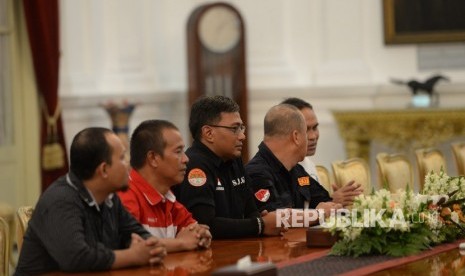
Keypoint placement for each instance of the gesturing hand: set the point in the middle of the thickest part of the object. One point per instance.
(346, 194)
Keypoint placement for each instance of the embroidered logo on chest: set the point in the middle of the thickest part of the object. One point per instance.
(219, 187)
(197, 177)
(262, 195)
(304, 180)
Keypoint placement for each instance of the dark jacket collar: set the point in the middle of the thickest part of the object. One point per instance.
(77, 184)
(270, 158)
(213, 158)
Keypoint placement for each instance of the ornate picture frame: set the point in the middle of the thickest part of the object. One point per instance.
(423, 21)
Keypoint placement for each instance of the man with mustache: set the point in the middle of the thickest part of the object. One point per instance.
(344, 195)
(158, 162)
(216, 189)
(78, 224)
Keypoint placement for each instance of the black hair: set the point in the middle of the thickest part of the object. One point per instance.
(148, 136)
(207, 110)
(88, 150)
(297, 102)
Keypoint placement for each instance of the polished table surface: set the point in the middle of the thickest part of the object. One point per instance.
(447, 263)
(276, 250)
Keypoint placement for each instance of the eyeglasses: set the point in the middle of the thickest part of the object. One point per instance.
(236, 129)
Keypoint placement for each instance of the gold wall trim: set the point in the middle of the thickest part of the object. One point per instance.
(399, 129)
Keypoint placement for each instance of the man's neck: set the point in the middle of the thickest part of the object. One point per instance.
(99, 194)
(212, 147)
(282, 153)
(154, 180)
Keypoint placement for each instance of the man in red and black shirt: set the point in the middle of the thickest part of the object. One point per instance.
(159, 162)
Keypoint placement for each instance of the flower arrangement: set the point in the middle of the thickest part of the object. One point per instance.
(403, 223)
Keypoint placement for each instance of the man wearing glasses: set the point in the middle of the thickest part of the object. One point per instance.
(216, 189)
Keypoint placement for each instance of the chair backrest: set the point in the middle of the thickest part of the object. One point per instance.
(352, 169)
(23, 215)
(429, 159)
(4, 247)
(324, 178)
(459, 155)
(395, 171)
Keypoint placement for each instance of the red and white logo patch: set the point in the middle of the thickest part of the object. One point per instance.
(263, 195)
(197, 177)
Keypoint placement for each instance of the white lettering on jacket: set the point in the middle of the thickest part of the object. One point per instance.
(238, 181)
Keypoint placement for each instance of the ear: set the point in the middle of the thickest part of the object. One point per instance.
(153, 159)
(295, 137)
(102, 170)
(207, 133)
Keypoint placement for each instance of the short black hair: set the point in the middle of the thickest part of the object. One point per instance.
(148, 136)
(207, 110)
(88, 150)
(297, 102)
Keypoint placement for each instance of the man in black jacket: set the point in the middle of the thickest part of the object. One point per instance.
(344, 195)
(216, 188)
(278, 181)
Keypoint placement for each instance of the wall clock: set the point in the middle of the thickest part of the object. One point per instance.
(216, 55)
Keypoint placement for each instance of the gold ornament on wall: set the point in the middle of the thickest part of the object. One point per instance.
(53, 154)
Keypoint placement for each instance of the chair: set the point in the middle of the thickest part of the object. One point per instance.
(324, 178)
(4, 247)
(395, 171)
(352, 169)
(7, 213)
(429, 159)
(23, 215)
(459, 155)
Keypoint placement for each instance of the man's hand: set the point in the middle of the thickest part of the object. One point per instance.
(269, 219)
(346, 194)
(188, 239)
(326, 207)
(203, 234)
(144, 252)
(157, 250)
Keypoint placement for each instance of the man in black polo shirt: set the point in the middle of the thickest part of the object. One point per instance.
(215, 188)
(277, 179)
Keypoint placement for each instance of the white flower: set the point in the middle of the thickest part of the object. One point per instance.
(454, 217)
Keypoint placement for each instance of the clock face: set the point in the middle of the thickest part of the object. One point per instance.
(219, 29)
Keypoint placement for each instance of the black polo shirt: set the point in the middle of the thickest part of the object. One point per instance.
(217, 194)
(275, 187)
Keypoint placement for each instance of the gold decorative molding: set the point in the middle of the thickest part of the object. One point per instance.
(399, 129)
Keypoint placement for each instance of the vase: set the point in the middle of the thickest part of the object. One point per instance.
(425, 100)
(120, 115)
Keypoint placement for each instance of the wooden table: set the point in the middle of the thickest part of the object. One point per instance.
(274, 249)
(447, 263)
